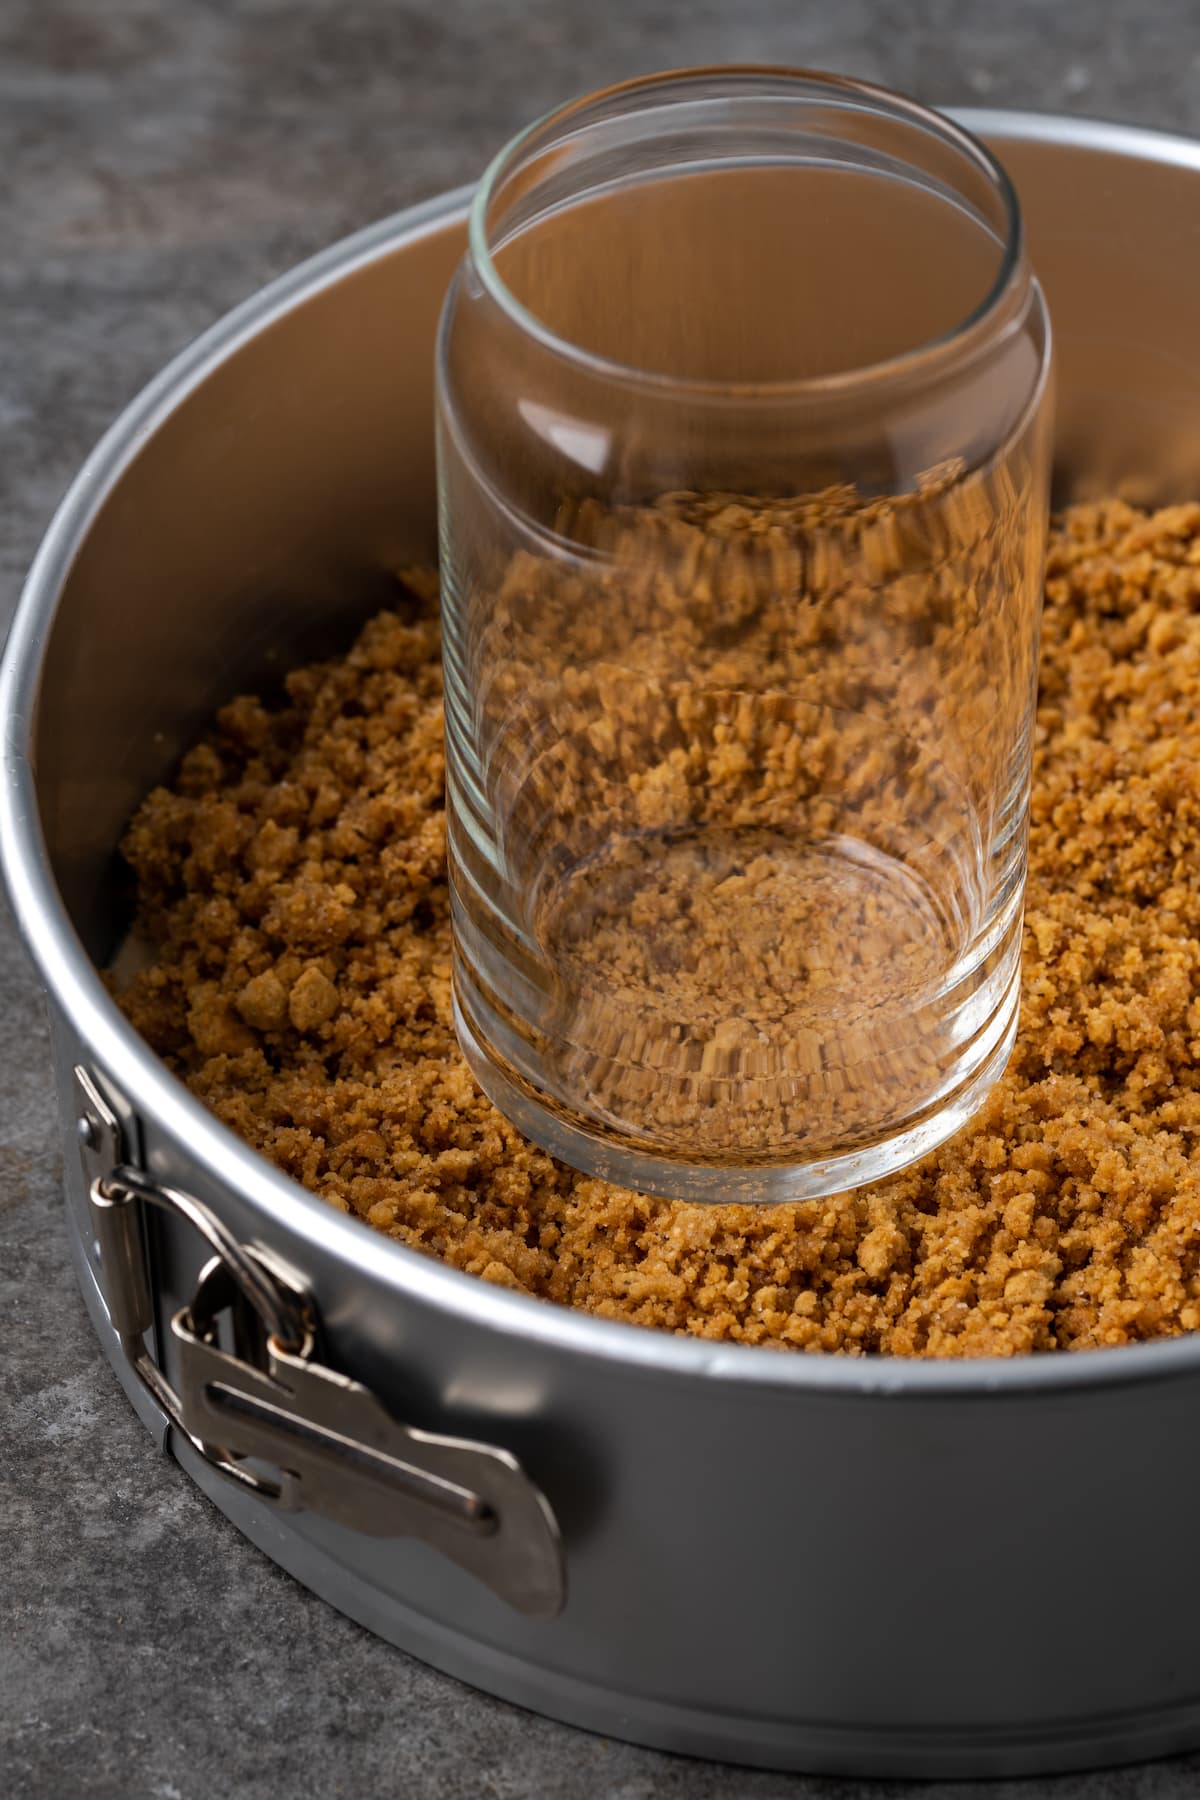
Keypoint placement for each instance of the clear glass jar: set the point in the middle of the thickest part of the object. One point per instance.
(743, 439)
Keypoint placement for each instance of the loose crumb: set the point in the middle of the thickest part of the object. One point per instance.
(292, 882)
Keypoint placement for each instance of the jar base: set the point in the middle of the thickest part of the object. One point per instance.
(766, 1183)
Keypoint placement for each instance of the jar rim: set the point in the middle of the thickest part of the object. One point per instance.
(863, 96)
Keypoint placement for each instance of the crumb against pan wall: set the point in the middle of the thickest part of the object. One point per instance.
(292, 882)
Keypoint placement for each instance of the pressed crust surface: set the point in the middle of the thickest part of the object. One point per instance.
(292, 883)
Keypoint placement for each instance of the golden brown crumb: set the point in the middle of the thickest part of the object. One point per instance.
(293, 882)
(740, 760)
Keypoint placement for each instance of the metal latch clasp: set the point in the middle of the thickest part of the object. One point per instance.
(272, 1417)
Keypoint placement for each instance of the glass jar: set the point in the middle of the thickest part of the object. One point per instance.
(743, 448)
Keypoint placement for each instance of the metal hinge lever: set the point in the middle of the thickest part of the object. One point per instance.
(274, 1418)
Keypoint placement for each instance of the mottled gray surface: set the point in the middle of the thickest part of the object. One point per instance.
(160, 159)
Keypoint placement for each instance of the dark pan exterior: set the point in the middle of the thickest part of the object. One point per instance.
(811, 1563)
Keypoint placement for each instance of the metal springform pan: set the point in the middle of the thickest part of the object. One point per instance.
(803, 1562)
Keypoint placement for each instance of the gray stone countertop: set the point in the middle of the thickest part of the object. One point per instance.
(160, 160)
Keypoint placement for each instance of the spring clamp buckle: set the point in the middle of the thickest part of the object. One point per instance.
(268, 1414)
